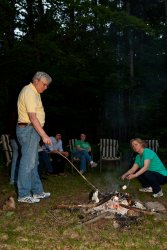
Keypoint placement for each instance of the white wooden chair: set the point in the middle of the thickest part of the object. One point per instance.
(109, 151)
(153, 144)
(7, 149)
(71, 146)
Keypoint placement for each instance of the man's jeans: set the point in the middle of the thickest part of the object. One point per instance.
(15, 160)
(28, 178)
(84, 157)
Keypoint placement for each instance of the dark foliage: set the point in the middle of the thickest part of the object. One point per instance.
(107, 60)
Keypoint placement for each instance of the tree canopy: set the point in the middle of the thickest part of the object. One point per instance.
(107, 59)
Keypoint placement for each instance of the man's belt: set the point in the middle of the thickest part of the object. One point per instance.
(24, 124)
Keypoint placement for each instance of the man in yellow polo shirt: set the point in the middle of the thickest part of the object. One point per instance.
(29, 130)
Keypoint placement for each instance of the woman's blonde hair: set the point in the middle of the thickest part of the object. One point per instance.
(140, 141)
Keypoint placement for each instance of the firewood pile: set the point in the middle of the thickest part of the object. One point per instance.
(120, 207)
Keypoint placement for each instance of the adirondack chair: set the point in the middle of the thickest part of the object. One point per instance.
(71, 146)
(109, 151)
(153, 144)
(6, 147)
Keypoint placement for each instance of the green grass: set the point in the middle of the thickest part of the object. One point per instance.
(39, 226)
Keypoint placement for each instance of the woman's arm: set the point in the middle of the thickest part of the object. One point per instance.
(141, 171)
(78, 147)
(130, 171)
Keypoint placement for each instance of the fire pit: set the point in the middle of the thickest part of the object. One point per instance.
(117, 206)
(116, 202)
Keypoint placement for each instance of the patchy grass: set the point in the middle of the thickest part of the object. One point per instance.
(39, 226)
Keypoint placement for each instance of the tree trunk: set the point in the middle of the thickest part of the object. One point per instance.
(40, 8)
(166, 12)
(30, 19)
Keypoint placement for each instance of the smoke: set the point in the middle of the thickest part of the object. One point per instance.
(111, 177)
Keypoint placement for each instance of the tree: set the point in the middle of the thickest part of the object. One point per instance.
(103, 55)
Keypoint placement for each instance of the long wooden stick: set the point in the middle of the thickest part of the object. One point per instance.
(98, 217)
(78, 171)
(65, 206)
(137, 209)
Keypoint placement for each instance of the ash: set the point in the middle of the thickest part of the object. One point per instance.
(116, 202)
(119, 207)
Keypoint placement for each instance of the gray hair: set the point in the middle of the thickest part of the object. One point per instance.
(38, 75)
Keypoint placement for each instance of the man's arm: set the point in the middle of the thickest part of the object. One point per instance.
(77, 145)
(60, 150)
(36, 124)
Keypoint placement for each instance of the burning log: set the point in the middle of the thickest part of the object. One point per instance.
(135, 209)
(98, 217)
(112, 202)
(117, 206)
(79, 206)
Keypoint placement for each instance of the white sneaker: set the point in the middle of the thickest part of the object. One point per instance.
(41, 196)
(146, 190)
(28, 199)
(93, 165)
(159, 194)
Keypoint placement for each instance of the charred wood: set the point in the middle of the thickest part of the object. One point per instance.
(80, 206)
(138, 210)
(96, 218)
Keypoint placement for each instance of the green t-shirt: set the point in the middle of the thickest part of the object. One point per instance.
(155, 163)
(83, 144)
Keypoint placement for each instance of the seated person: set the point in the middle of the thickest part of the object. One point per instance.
(148, 168)
(44, 165)
(83, 152)
(58, 162)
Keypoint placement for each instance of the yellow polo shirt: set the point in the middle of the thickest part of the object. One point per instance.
(29, 101)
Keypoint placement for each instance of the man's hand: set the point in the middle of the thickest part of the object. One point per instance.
(46, 139)
(55, 151)
(65, 153)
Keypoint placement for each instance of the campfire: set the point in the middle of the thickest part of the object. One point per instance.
(116, 202)
(116, 205)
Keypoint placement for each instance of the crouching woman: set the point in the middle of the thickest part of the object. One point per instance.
(148, 168)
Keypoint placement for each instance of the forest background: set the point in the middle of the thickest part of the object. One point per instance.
(107, 59)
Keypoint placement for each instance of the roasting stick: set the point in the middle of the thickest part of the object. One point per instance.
(78, 171)
(126, 186)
